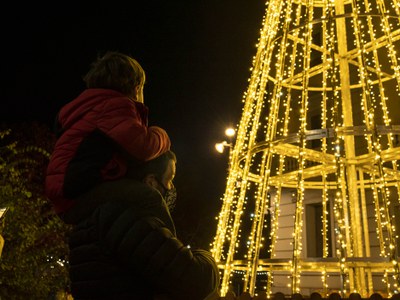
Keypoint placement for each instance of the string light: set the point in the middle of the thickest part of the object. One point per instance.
(334, 61)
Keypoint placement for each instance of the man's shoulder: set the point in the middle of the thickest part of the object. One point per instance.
(126, 193)
(121, 193)
(138, 191)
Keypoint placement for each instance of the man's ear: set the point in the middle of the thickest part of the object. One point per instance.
(150, 180)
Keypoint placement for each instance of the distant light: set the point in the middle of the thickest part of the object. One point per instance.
(230, 131)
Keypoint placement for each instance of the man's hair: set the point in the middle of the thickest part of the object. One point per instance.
(156, 166)
(115, 71)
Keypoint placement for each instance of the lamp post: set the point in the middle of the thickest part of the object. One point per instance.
(221, 146)
(229, 132)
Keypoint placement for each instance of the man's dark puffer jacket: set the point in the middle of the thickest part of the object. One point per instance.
(116, 255)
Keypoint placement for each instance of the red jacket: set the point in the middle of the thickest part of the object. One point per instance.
(100, 129)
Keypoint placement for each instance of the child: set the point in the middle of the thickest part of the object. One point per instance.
(102, 132)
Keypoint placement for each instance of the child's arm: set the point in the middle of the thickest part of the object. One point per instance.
(121, 121)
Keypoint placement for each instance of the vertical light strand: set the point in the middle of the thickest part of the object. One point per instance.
(324, 146)
(370, 285)
(259, 216)
(338, 207)
(358, 281)
(297, 240)
(275, 214)
(368, 121)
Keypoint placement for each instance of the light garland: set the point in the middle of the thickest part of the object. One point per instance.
(335, 60)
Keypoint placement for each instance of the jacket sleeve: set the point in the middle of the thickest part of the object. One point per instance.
(148, 247)
(121, 121)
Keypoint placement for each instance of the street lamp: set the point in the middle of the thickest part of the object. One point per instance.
(229, 132)
(221, 146)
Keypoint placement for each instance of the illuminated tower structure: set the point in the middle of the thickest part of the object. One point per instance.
(312, 195)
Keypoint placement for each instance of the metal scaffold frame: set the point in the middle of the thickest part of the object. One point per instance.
(320, 124)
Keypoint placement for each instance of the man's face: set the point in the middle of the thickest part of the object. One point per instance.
(169, 175)
(166, 186)
(165, 182)
(139, 93)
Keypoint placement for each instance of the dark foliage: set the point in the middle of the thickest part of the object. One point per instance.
(35, 258)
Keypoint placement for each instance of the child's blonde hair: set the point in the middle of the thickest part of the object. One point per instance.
(115, 71)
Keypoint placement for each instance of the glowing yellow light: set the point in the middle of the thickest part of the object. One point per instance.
(319, 114)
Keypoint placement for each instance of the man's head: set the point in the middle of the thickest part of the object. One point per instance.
(118, 72)
(159, 174)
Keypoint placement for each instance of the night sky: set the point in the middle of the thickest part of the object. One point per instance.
(196, 55)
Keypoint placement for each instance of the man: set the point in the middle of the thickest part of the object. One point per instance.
(124, 245)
